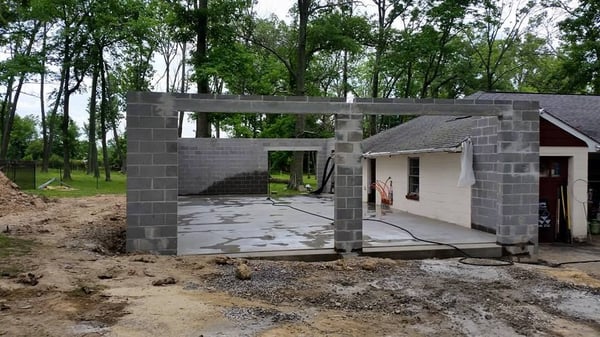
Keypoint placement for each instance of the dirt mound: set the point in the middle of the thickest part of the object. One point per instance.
(13, 200)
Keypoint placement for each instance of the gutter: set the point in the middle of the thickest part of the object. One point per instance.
(455, 149)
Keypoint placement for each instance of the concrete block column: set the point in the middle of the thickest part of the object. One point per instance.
(348, 183)
(152, 162)
(518, 178)
(484, 193)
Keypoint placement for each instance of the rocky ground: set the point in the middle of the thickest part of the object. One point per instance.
(63, 273)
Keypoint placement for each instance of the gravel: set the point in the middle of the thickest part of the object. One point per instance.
(507, 301)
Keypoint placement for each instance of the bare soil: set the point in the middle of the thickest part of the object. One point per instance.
(76, 280)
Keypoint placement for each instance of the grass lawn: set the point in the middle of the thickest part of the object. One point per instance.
(82, 184)
(281, 190)
(87, 185)
(13, 246)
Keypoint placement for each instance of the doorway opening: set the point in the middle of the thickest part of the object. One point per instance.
(280, 166)
(553, 222)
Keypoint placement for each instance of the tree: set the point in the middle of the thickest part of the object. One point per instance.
(496, 30)
(22, 33)
(23, 132)
(387, 13)
(581, 34)
(295, 47)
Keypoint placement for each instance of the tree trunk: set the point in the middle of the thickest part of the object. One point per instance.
(65, 136)
(296, 178)
(42, 94)
(113, 124)
(4, 109)
(379, 50)
(51, 125)
(103, 115)
(92, 149)
(182, 113)
(202, 124)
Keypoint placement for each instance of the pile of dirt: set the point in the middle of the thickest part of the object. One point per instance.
(13, 200)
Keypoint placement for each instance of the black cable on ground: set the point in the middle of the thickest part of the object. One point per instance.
(463, 260)
(274, 203)
(574, 262)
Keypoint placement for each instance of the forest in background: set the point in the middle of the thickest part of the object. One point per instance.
(334, 48)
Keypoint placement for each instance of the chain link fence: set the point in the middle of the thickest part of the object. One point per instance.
(21, 172)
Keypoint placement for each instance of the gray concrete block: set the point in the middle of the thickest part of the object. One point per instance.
(152, 147)
(164, 134)
(139, 207)
(158, 232)
(151, 219)
(165, 183)
(135, 183)
(343, 214)
(344, 148)
(526, 105)
(343, 235)
(139, 133)
(152, 196)
(171, 171)
(164, 207)
(139, 159)
(163, 159)
(171, 147)
(171, 122)
(152, 171)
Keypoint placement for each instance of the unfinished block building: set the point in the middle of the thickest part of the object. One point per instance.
(161, 166)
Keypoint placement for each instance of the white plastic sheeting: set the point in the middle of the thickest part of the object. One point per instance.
(467, 176)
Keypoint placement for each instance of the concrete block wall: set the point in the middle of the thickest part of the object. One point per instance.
(518, 178)
(209, 166)
(484, 194)
(222, 166)
(508, 175)
(348, 182)
(505, 198)
(151, 173)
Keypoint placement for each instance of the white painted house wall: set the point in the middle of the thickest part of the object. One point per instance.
(439, 197)
(577, 185)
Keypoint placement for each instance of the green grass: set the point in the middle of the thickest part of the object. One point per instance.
(281, 190)
(82, 184)
(13, 246)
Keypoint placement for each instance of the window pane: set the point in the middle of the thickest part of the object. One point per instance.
(413, 175)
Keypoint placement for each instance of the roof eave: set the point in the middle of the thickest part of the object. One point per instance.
(592, 145)
(454, 149)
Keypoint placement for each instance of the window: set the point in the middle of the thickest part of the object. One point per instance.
(413, 179)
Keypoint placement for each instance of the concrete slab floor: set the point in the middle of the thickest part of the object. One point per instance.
(252, 224)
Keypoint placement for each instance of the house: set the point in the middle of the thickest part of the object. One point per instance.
(415, 167)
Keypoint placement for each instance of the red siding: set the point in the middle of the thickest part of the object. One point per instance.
(552, 135)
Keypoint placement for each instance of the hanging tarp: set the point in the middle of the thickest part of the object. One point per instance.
(467, 176)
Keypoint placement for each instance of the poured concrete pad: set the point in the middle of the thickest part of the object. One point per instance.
(219, 225)
(253, 225)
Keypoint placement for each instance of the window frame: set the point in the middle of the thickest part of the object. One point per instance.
(413, 178)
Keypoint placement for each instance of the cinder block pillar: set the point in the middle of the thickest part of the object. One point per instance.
(151, 173)
(348, 180)
(518, 178)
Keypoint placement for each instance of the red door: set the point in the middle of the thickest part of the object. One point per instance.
(553, 177)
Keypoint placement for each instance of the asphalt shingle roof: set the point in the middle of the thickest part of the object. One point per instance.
(581, 112)
(424, 132)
